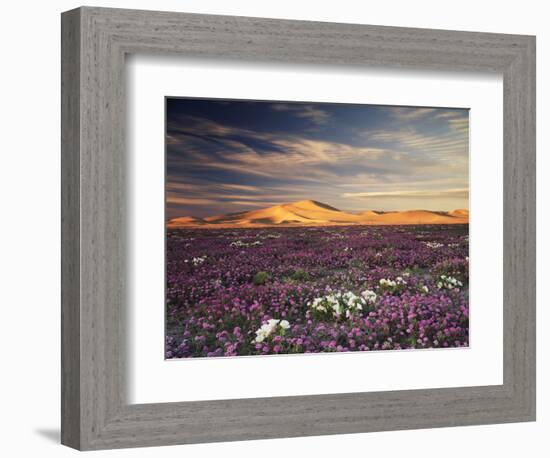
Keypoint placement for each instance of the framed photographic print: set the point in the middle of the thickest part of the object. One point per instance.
(341, 217)
(260, 257)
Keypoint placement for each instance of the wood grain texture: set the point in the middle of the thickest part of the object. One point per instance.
(96, 414)
(70, 229)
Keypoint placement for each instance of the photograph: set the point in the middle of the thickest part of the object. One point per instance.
(298, 227)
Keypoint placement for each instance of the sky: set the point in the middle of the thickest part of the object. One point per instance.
(227, 156)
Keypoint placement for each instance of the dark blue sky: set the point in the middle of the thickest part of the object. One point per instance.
(226, 156)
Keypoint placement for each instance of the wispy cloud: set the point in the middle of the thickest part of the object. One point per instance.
(432, 194)
(410, 114)
(459, 125)
(442, 114)
(411, 139)
(225, 157)
(189, 201)
(310, 112)
(279, 153)
(254, 203)
(241, 187)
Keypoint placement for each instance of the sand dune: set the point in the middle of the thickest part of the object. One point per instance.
(313, 213)
(462, 212)
(184, 220)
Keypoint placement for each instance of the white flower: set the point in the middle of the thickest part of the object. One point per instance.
(369, 296)
(448, 282)
(240, 243)
(424, 289)
(340, 303)
(265, 331)
(269, 327)
(433, 245)
(197, 260)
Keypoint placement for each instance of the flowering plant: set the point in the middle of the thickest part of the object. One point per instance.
(341, 304)
(271, 327)
(300, 292)
(393, 286)
(448, 282)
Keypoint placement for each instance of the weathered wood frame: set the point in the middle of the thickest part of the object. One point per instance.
(95, 414)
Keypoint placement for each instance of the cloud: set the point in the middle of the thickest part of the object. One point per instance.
(400, 155)
(431, 194)
(309, 151)
(409, 183)
(410, 113)
(241, 187)
(255, 203)
(450, 114)
(459, 125)
(404, 154)
(189, 201)
(182, 126)
(277, 153)
(202, 193)
(173, 185)
(314, 114)
(451, 144)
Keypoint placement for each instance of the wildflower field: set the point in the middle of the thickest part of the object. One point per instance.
(282, 290)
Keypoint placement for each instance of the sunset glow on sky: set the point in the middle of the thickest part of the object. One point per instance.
(227, 156)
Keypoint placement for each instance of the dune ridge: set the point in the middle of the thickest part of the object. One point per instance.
(313, 213)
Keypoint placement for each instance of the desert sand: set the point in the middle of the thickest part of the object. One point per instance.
(313, 213)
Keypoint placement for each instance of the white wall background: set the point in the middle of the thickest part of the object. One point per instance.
(29, 228)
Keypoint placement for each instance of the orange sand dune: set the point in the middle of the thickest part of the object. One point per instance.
(460, 212)
(313, 213)
(185, 220)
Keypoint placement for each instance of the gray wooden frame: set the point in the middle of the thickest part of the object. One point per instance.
(95, 413)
